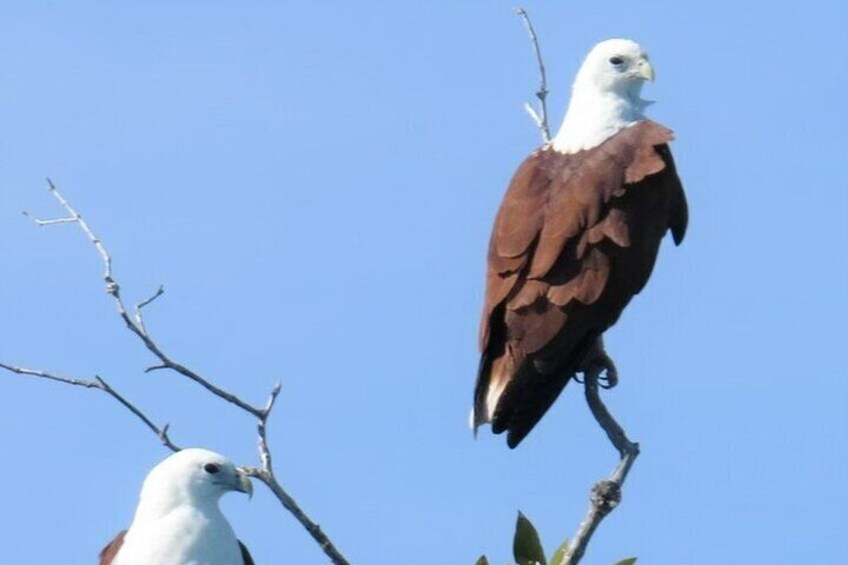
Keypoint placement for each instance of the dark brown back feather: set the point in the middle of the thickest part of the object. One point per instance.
(575, 238)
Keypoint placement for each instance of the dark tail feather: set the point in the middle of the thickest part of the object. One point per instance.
(521, 408)
(534, 389)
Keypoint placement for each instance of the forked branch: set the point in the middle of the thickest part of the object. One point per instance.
(136, 324)
(265, 473)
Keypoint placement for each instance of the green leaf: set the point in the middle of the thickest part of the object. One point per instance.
(559, 555)
(526, 547)
(482, 561)
(628, 561)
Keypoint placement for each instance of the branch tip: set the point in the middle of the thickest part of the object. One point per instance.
(159, 292)
(539, 118)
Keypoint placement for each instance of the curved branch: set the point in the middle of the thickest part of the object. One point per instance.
(100, 384)
(606, 494)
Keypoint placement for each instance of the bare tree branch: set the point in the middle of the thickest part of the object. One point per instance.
(114, 290)
(100, 384)
(265, 472)
(605, 494)
(540, 118)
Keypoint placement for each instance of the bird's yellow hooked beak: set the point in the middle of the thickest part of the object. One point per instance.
(646, 70)
(245, 485)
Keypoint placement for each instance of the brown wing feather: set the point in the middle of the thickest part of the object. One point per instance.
(245, 555)
(575, 238)
(108, 553)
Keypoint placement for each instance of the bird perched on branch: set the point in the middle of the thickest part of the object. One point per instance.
(178, 521)
(576, 237)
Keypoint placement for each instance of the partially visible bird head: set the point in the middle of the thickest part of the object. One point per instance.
(193, 476)
(617, 66)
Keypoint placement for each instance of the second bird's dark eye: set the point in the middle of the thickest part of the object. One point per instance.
(616, 60)
(211, 468)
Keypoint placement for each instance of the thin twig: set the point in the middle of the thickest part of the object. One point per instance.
(139, 320)
(606, 494)
(52, 222)
(540, 118)
(159, 292)
(99, 384)
(162, 432)
(535, 117)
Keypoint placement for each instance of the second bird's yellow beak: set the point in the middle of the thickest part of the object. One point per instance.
(245, 485)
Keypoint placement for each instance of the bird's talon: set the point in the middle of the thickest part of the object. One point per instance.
(609, 380)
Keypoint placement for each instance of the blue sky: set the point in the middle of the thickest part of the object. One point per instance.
(314, 184)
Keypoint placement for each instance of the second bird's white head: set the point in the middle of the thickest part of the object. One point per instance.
(197, 477)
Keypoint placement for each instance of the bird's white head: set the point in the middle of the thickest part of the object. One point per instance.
(606, 95)
(192, 476)
(616, 66)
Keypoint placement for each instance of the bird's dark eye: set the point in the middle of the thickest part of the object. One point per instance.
(616, 60)
(211, 468)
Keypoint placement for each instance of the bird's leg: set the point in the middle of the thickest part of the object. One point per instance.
(597, 360)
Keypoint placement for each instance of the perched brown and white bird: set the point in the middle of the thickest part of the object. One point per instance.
(177, 520)
(576, 237)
